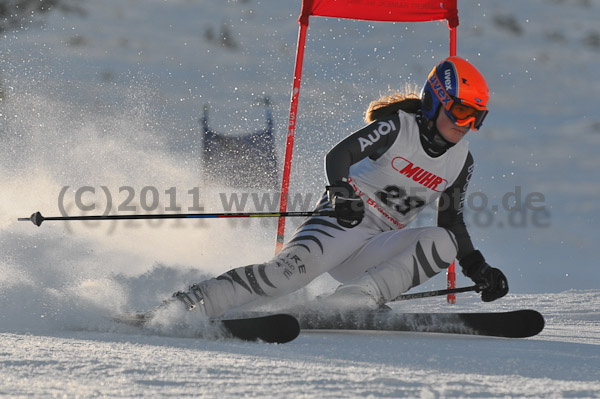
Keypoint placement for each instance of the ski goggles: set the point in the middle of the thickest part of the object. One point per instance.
(462, 114)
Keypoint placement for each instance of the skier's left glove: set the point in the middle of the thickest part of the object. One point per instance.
(476, 268)
(348, 207)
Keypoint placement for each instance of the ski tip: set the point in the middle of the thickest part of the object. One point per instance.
(522, 323)
(277, 328)
(527, 322)
(288, 328)
(535, 320)
(135, 319)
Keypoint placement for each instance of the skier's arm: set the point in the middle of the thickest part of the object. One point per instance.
(370, 141)
(450, 216)
(451, 206)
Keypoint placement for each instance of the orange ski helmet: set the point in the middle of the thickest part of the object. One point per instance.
(457, 86)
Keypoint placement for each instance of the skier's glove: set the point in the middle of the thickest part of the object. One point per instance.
(476, 268)
(348, 207)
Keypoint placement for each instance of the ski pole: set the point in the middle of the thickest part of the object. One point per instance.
(427, 294)
(37, 217)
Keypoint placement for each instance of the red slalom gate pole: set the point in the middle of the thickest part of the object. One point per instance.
(451, 284)
(451, 274)
(289, 147)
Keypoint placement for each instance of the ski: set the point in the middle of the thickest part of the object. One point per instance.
(272, 328)
(514, 324)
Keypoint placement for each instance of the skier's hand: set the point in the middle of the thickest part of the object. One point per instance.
(497, 285)
(348, 207)
(477, 269)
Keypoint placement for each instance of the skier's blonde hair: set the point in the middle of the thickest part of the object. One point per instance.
(390, 103)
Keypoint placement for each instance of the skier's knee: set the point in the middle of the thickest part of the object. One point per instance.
(442, 243)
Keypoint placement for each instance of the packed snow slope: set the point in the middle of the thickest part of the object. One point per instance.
(105, 360)
(100, 113)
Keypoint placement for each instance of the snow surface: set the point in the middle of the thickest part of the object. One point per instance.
(111, 99)
(106, 360)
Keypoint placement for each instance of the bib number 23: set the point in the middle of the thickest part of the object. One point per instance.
(397, 198)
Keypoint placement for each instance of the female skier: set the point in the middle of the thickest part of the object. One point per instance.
(381, 177)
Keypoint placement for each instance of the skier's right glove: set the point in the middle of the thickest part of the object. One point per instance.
(476, 268)
(348, 207)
